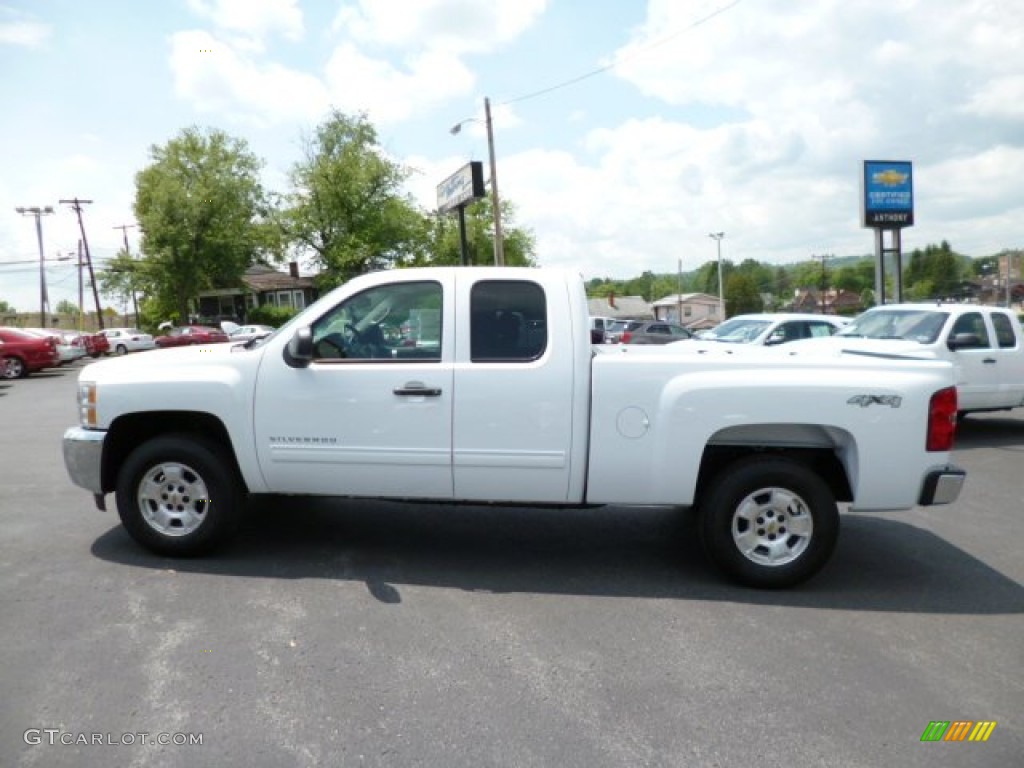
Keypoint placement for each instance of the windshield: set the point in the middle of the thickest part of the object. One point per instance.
(921, 325)
(737, 331)
(624, 325)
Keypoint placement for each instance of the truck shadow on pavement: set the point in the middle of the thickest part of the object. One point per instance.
(880, 564)
(990, 431)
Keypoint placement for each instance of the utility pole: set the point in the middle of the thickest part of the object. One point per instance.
(81, 297)
(499, 243)
(76, 205)
(38, 212)
(717, 237)
(824, 280)
(135, 299)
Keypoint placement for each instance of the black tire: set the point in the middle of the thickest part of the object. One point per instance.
(121, 349)
(763, 509)
(14, 368)
(197, 511)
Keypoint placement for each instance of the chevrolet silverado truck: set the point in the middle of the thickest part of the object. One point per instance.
(985, 344)
(480, 385)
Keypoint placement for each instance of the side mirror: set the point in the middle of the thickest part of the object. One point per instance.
(298, 353)
(963, 341)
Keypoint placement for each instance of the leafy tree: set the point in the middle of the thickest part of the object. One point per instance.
(6, 308)
(347, 206)
(445, 247)
(202, 212)
(65, 307)
(124, 277)
(741, 295)
(938, 265)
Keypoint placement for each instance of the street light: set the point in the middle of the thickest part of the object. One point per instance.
(499, 246)
(38, 212)
(717, 237)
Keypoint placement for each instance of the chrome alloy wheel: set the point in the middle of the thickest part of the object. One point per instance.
(772, 526)
(173, 499)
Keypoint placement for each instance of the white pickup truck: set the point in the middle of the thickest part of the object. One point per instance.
(481, 385)
(984, 343)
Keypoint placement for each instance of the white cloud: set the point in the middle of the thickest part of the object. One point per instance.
(217, 77)
(389, 93)
(455, 26)
(18, 28)
(255, 19)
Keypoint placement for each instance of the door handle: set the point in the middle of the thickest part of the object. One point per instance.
(417, 389)
(989, 361)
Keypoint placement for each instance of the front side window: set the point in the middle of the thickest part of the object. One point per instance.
(400, 321)
(972, 323)
(508, 321)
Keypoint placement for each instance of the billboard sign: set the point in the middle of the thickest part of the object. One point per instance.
(463, 186)
(888, 200)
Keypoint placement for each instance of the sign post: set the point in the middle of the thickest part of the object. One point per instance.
(888, 205)
(460, 189)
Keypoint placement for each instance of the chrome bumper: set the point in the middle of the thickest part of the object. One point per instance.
(942, 486)
(83, 457)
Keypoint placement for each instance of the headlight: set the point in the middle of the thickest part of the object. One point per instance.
(87, 403)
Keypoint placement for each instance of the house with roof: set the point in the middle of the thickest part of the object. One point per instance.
(831, 302)
(620, 307)
(261, 285)
(695, 311)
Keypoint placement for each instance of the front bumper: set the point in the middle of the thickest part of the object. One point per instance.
(942, 486)
(83, 457)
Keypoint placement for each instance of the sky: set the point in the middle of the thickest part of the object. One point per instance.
(626, 131)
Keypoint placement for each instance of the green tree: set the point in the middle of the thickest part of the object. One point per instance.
(519, 246)
(6, 308)
(124, 277)
(347, 207)
(741, 295)
(65, 307)
(203, 215)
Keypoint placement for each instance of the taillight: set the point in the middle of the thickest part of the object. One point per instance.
(942, 420)
(626, 336)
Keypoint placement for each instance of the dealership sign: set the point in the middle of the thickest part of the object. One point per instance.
(888, 194)
(463, 186)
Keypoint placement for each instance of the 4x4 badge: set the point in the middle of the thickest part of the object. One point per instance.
(893, 401)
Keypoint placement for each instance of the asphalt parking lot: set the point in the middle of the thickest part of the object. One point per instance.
(354, 633)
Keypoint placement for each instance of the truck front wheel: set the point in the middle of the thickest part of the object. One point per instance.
(769, 522)
(178, 496)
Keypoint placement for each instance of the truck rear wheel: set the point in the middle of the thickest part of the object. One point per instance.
(177, 495)
(769, 522)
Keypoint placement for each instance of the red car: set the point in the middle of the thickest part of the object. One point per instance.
(191, 334)
(24, 353)
(96, 344)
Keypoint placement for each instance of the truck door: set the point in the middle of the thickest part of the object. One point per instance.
(979, 369)
(372, 414)
(515, 405)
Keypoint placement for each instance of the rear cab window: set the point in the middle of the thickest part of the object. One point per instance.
(508, 321)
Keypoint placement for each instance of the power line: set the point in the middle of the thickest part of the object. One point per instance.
(637, 52)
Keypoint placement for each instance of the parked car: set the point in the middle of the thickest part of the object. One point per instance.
(25, 353)
(191, 334)
(613, 333)
(657, 332)
(598, 327)
(985, 344)
(246, 332)
(770, 328)
(124, 340)
(96, 344)
(67, 350)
